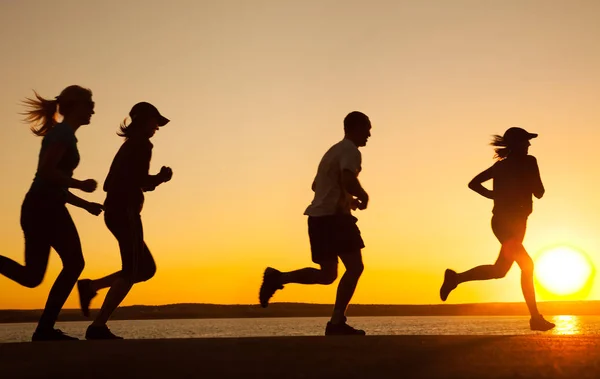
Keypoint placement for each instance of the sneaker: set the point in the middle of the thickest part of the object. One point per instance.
(271, 283)
(100, 333)
(86, 294)
(342, 329)
(539, 323)
(51, 335)
(450, 283)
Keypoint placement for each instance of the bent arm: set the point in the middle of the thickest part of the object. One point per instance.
(76, 201)
(537, 189)
(352, 185)
(143, 179)
(476, 183)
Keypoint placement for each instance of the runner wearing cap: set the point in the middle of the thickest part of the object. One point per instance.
(516, 177)
(125, 185)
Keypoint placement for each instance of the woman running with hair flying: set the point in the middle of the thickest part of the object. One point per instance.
(45, 220)
(516, 177)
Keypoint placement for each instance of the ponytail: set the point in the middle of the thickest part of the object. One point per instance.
(126, 130)
(502, 151)
(41, 114)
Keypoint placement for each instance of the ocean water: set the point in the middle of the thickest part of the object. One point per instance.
(314, 326)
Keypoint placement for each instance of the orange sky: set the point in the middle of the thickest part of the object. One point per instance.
(257, 91)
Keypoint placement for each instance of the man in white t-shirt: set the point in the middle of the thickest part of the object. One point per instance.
(332, 229)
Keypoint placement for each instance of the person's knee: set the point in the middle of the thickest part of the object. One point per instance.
(512, 246)
(527, 266)
(145, 274)
(128, 277)
(500, 271)
(33, 280)
(354, 266)
(328, 274)
(74, 266)
(356, 269)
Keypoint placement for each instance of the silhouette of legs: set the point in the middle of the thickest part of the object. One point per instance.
(327, 274)
(68, 247)
(274, 280)
(347, 286)
(516, 252)
(510, 232)
(485, 272)
(329, 235)
(526, 264)
(116, 294)
(32, 273)
(121, 285)
(138, 266)
(47, 225)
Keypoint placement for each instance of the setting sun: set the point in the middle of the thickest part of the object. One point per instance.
(563, 270)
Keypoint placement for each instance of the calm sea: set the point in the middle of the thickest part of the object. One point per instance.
(309, 326)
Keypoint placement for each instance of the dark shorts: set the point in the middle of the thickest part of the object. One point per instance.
(509, 227)
(332, 236)
(126, 225)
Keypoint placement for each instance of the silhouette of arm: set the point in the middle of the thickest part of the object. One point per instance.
(476, 183)
(142, 178)
(151, 182)
(350, 166)
(353, 187)
(537, 185)
(49, 171)
(77, 201)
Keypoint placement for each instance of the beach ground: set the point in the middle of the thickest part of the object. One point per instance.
(429, 357)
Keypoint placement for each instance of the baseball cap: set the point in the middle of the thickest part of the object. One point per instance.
(144, 109)
(516, 135)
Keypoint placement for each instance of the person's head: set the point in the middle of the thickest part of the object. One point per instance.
(357, 128)
(74, 103)
(145, 121)
(514, 142)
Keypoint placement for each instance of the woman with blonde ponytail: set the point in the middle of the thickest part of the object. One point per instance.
(45, 220)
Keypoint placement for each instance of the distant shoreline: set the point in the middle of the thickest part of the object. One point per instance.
(206, 311)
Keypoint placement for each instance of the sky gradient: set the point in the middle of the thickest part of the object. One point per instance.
(256, 93)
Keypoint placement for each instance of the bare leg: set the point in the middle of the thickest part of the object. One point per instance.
(117, 292)
(486, 272)
(327, 274)
(107, 281)
(32, 273)
(354, 268)
(526, 264)
(68, 247)
(274, 280)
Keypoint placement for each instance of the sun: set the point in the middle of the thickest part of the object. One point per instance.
(563, 270)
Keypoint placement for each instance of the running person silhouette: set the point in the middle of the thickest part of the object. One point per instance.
(125, 185)
(332, 229)
(45, 220)
(516, 177)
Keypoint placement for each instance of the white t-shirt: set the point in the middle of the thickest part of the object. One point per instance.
(330, 196)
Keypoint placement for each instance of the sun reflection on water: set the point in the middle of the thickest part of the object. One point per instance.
(566, 325)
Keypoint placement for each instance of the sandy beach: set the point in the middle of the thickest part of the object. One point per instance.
(309, 357)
